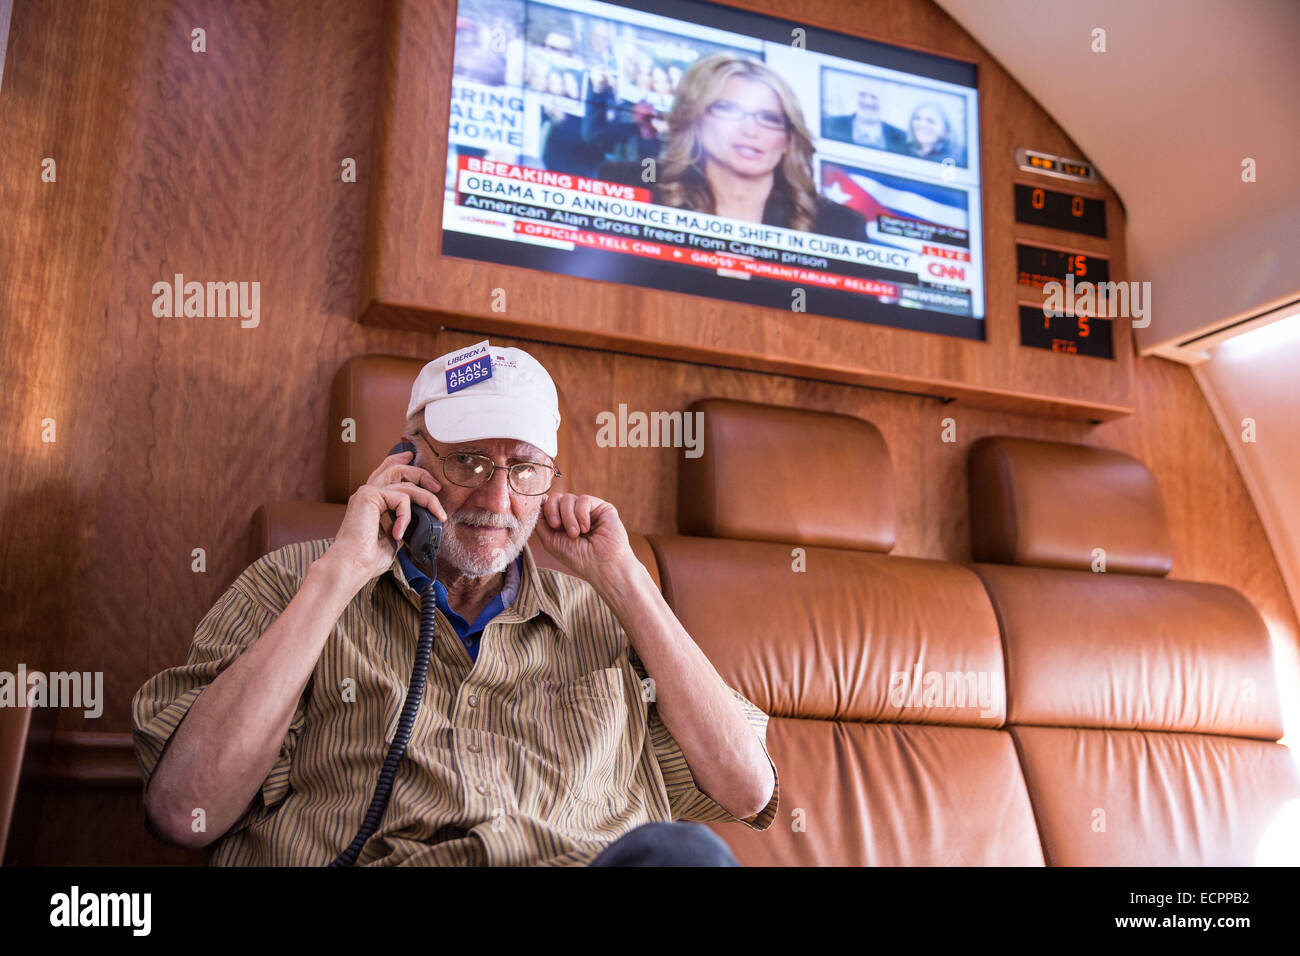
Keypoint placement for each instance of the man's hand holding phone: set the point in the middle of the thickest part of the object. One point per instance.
(367, 539)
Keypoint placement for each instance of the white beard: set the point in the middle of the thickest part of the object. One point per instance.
(472, 563)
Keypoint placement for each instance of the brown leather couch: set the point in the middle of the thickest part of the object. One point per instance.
(1022, 710)
(1140, 715)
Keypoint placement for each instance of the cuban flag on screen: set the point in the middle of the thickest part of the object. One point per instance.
(875, 194)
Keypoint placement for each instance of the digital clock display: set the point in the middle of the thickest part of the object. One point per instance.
(1037, 206)
(1036, 266)
(1075, 334)
(1032, 161)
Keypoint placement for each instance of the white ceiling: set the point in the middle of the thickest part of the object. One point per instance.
(1184, 92)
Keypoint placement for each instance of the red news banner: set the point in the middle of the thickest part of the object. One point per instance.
(655, 250)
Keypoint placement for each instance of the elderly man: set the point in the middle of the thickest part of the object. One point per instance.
(567, 719)
(864, 126)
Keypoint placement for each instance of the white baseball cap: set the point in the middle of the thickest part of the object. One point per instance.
(487, 391)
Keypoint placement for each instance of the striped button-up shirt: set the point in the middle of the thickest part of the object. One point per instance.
(543, 751)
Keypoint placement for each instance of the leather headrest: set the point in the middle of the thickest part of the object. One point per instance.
(1133, 652)
(374, 392)
(1050, 504)
(786, 474)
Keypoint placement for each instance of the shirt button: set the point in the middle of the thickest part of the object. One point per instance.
(473, 700)
(474, 748)
(481, 788)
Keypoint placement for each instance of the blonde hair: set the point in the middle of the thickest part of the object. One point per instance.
(682, 182)
(947, 140)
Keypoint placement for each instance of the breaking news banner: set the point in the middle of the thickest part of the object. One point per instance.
(695, 149)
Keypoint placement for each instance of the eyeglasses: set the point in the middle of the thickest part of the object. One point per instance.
(732, 113)
(472, 471)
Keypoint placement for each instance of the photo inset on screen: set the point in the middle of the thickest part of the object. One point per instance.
(901, 118)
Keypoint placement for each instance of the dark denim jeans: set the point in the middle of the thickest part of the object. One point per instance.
(667, 844)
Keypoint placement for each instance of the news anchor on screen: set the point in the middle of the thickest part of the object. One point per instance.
(738, 146)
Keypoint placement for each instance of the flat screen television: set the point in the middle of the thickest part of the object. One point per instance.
(703, 149)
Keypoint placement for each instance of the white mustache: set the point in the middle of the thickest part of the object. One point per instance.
(483, 519)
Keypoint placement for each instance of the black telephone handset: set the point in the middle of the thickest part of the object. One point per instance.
(423, 535)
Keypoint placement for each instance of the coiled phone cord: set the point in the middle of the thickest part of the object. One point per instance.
(384, 788)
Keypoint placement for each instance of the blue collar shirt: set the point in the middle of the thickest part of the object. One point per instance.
(468, 633)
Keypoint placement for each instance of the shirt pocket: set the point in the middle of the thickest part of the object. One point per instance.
(591, 718)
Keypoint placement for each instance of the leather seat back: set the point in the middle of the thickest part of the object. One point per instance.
(882, 676)
(1145, 710)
